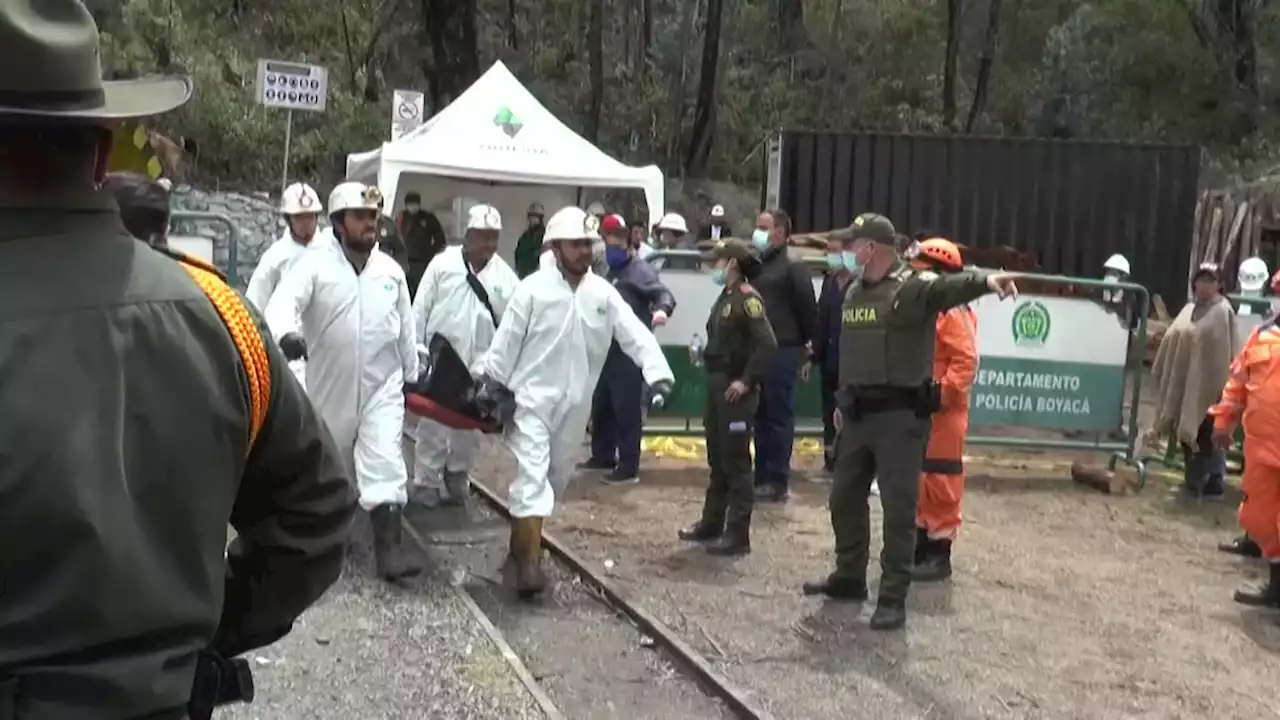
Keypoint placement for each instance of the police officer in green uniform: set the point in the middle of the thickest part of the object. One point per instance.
(391, 243)
(740, 346)
(884, 404)
(127, 433)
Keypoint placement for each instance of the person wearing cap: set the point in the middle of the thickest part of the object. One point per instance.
(740, 345)
(144, 206)
(617, 406)
(717, 226)
(423, 235)
(529, 246)
(1192, 365)
(887, 395)
(163, 424)
(955, 366)
(347, 311)
(462, 297)
(548, 352)
(391, 243)
(793, 312)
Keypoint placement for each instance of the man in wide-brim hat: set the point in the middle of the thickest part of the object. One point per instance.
(136, 425)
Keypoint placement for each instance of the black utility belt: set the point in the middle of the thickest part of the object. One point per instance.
(924, 400)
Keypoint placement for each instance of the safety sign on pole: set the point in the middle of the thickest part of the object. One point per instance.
(406, 112)
(292, 86)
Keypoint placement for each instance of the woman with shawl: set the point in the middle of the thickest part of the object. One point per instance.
(1190, 370)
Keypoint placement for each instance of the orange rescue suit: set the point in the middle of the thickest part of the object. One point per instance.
(955, 365)
(1252, 394)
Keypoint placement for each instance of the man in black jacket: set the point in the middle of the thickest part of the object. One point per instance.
(792, 311)
(136, 424)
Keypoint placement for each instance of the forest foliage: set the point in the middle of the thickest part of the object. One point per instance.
(697, 86)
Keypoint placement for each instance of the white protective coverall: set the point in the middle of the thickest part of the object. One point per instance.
(273, 265)
(549, 351)
(362, 350)
(446, 304)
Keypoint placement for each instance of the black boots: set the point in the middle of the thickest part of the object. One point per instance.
(1244, 546)
(934, 564)
(389, 557)
(735, 541)
(889, 615)
(838, 588)
(922, 544)
(1266, 596)
(702, 531)
(526, 556)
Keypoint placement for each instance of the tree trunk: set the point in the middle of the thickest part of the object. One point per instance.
(675, 94)
(647, 6)
(985, 65)
(595, 57)
(513, 37)
(454, 62)
(955, 8)
(702, 139)
(789, 18)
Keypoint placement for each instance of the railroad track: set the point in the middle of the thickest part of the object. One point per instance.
(584, 649)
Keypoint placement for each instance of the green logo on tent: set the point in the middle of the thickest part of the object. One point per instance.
(1030, 324)
(508, 122)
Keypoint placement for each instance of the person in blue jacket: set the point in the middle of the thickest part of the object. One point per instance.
(825, 351)
(617, 406)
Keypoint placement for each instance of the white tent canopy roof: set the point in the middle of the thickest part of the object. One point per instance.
(497, 131)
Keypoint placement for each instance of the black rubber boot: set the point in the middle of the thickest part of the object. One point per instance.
(735, 541)
(702, 531)
(889, 615)
(526, 555)
(922, 544)
(1243, 546)
(936, 566)
(1195, 474)
(1215, 486)
(389, 557)
(837, 588)
(1266, 596)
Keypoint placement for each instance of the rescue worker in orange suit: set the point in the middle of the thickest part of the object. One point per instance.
(955, 366)
(1252, 396)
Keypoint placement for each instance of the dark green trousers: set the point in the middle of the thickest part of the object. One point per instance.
(728, 428)
(887, 447)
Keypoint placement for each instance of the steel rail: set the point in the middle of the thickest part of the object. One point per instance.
(666, 638)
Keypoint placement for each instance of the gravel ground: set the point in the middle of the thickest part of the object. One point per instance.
(1066, 603)
(368, 650)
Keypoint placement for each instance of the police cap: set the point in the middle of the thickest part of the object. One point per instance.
(869, 226)
(731, 249)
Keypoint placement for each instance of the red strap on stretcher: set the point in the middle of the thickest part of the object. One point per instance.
(425, 407)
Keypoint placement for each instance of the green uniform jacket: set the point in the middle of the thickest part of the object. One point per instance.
(887, 327)
(391, 243)
(528, 248)
(123, 438)
(740, 340)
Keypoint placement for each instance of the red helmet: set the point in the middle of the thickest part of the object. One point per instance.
(940, 252)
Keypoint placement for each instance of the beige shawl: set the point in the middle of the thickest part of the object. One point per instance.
(1192, 365)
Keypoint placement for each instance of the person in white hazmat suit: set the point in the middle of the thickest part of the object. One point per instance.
(301, 208)
(446, 303)
(549, 351)
(348, 310)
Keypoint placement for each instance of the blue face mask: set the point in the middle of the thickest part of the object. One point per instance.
(835, 261)
(717, 276)
(616, 257)
(760, 238)
(851, 262)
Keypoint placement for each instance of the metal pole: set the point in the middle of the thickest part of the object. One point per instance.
(288, 137)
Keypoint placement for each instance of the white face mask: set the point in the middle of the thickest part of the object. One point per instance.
(413, 208)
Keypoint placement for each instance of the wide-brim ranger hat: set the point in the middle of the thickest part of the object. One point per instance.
(51, 69)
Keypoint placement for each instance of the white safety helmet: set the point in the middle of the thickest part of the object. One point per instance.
(536, 209)
(354, 196)
(596, 208)
(484, 217)
(717, 212)
(300, 199)
(572, 223)
(673, 222)
(1117, 263)
(1253, 275)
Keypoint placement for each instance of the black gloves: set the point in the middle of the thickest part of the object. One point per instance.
(293, 346)
(659, 394)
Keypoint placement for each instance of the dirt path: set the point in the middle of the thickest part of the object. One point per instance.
(1066, 604)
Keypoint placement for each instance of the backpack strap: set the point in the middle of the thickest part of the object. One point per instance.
(244, 333)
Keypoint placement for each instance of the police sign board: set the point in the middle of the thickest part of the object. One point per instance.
(292, 86)
(1049, 362)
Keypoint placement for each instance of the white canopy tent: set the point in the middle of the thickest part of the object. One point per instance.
(497, 144)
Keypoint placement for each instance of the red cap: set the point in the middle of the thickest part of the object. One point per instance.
(612, 224)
